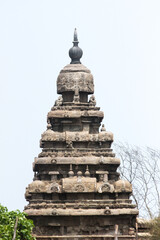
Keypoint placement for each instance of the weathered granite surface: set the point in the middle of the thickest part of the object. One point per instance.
(75, 77)
(77, 192)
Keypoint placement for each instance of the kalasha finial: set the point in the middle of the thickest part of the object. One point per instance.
(75, 52)
(75, 39)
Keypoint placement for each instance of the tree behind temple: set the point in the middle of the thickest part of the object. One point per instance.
(141, 167)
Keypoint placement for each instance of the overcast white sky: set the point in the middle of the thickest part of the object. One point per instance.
(121, 45)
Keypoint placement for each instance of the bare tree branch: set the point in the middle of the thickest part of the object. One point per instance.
(141, 167)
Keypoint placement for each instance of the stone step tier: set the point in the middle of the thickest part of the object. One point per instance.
(88, 237)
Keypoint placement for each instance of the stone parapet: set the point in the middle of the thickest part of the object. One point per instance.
(90, 160)
(75, 114)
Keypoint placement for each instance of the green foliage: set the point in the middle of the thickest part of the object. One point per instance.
(155, 229)
(7, 224)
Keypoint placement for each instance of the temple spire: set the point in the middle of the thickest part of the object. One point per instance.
(75, 52)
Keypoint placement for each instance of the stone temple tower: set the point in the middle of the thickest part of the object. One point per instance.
(77, 192)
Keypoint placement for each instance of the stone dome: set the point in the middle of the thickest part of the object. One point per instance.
(75, 76)
(122, 186)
